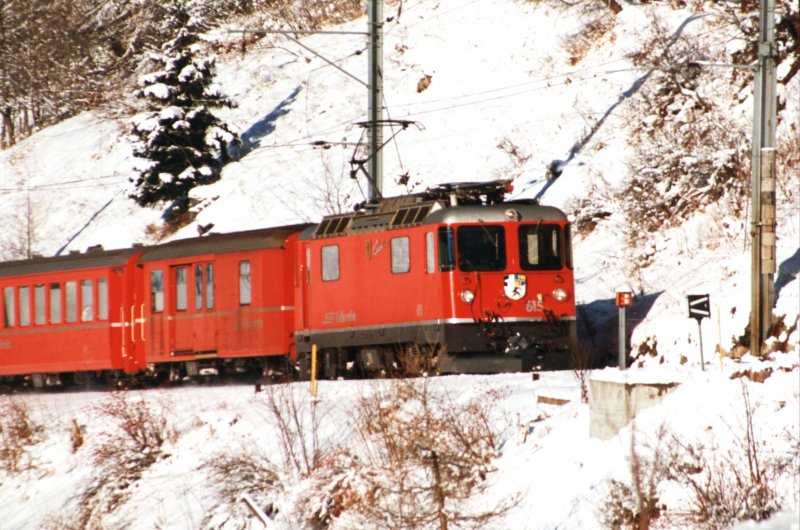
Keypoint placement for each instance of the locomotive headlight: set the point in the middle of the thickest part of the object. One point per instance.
(467, 296)
(559, 294)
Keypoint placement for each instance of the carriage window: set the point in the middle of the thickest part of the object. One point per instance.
(24, 306)
(71, 293)
(8, 307)
(87, 300)
(39, 302)
(446, 249)
(198, 287)
(55, 303)
(401, 261)
(245, 287)
(430, 254)
(102, 299)
(180, 289)
(157, 291)
(540, 247)
(330, 263)
(481, 248)
(210, 286)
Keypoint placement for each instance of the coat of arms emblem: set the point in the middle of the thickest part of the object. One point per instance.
(514, 286)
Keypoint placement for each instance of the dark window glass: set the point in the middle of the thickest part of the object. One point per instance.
(481, 248)
(540, 247)
(446, 249)
(568, 246)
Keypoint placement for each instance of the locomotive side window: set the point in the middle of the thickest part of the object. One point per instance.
(55, 303)
(245, 293)
(446, 249)
(102, 299)
(24, 306)
(568, 246)
(330, 263)
(198, 287)
(87, 300)
(71, 293)
(210, 286)
(540, 247)
(181, 293)
(481, 248)
(401, 260)
(430, 253)
(157, 291)
(39, 301)
(8, 307)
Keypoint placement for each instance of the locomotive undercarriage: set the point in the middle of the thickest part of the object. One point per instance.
(440, 348)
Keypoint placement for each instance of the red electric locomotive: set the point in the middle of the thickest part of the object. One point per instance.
(454, 279)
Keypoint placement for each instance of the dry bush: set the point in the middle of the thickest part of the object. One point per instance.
(425, 456)
(18, 432)
(722, 484)
(134, 441)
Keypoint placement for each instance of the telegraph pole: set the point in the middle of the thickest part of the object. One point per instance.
(763, 180)
(375, 167)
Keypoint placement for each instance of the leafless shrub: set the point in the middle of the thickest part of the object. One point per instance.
(635, 505)
(134, 442)
(580, 43)
(733, 484)
(297, 420)
(18, 432)
(580, 360)
(425, 456)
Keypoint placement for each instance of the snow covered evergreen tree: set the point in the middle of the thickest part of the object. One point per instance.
(186, 145)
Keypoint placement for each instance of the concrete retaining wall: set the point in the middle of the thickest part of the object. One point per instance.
(613, 404)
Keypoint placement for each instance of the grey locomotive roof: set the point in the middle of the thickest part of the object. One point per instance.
(495, 213)
(219, 243)
(90, 259)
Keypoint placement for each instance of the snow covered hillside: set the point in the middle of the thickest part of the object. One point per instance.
(512, 89)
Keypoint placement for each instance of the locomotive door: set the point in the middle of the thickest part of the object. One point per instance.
(193, 327)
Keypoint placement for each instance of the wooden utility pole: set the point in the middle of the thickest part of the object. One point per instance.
(763, 180)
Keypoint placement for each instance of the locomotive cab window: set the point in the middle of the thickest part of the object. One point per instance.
(401, 260)
(330, 263)
(447, 250)
(481, 248)
(540, 247)
(245, 287)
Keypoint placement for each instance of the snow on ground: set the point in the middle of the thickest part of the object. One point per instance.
(504, 101)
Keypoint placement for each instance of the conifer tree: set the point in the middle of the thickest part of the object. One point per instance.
(184, 143)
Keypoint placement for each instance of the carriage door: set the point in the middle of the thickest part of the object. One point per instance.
(205, 321)
(193, 328)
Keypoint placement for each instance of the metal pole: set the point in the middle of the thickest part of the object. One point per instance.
(700, 332)
(375, 167)
(622, 352)
(762, 229)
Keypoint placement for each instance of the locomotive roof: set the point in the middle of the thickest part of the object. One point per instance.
(219, 243)
(446, 203)
(92, 258)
